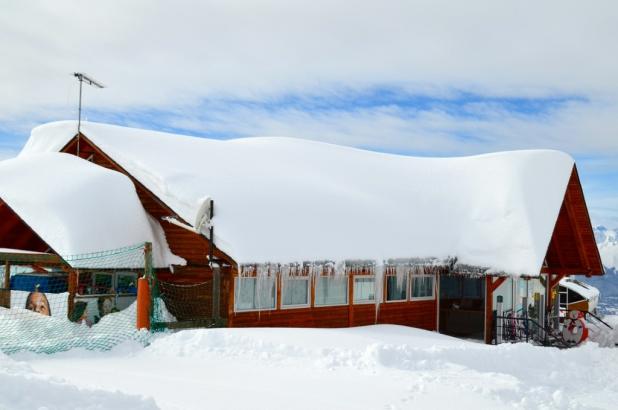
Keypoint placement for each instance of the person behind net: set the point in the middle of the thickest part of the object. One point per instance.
(37, 302)
(80, 313)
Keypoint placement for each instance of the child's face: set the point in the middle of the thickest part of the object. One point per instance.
(38, 303)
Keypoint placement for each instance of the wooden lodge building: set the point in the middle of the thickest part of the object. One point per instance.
(287, 232)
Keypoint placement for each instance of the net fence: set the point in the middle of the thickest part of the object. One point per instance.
(85, 301)
(186, 305)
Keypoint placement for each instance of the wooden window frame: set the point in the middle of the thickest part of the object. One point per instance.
(363, 302)
(345, 279)
(298, 306)
(413, 298)
(236, 298)
(407, 287)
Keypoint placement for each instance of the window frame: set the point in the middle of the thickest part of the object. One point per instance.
(345, 279)
(296, 306)
(420, 298)
(237, 280)
(364, 302)
(407, 288)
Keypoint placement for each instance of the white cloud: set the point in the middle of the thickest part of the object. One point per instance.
(577, 127)
(173, 56)
(165, 53)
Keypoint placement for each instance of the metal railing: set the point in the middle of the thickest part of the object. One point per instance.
(513, 329)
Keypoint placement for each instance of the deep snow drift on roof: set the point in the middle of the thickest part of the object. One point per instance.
(290, 200)
(77, 207)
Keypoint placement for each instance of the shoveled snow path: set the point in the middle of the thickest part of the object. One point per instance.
(375, 367)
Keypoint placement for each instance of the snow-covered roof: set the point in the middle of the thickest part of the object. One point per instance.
(77, 207)
(291, 200)
(585, 290)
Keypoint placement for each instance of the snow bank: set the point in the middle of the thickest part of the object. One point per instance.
(23, 388)
(77, 207)
(291, 200)
(601, 334)
(375, 367)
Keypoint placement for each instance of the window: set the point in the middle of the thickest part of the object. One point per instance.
(295, 291)
(126, 283)
(472, 288)
(331, 290)
(103, 283)
(84, 286)
(396, 288)
(364, 289)
(254, 293)
(422, 287)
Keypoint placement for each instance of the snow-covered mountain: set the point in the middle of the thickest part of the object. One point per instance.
(607, 241)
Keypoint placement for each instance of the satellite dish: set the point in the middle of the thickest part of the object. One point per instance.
(204, 214)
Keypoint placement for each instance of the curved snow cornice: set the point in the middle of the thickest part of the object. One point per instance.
(290, 200)
(77, 207)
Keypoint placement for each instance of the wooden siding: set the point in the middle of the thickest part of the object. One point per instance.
(420, 314)
(188, 245)
(16, 234)
(572, 249)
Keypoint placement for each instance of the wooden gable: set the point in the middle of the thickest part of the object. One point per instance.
(191, 246)
(572, 249)
(17, 234)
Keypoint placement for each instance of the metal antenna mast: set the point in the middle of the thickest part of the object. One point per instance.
(83, 77)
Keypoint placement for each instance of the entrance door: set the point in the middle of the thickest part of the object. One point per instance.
(462, 306)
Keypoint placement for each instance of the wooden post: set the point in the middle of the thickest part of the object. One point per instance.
(351, 299)
(234, 273)
(143, 291)
(7, 275)
(147, 260)
(143, 304)
(488, 309)
(5, 294)
(490, 287)
(72, 288)
(216, 292)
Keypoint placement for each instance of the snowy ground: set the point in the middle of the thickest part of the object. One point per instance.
(375, 367)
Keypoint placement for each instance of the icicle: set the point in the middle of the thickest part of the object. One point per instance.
(378, 272)
(401, 271)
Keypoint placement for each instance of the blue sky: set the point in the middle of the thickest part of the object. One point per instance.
(410, 77)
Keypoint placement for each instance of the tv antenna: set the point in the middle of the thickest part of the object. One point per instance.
(81, 77)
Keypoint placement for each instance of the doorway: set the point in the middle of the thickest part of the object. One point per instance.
(462, 306)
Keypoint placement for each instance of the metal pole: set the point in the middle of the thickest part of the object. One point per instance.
(79, 117)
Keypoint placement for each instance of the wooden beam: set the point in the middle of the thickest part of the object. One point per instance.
(72, 288)
(488, 309)
(28, 258)
(554, 279)
(7, 274)
(563, 271)
(497, 282)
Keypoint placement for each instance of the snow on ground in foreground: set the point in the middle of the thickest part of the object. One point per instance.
(23, 388)
(375, 367)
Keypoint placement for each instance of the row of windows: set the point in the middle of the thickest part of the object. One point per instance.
(253, 294)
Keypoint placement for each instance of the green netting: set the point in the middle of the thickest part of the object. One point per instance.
(89, 302)
(186, 305)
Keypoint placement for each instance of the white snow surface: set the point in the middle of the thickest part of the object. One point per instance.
(22, 388)
(77, 207)
(292, 200)
(374, 367)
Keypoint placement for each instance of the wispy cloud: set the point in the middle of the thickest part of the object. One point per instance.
(421, 77)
